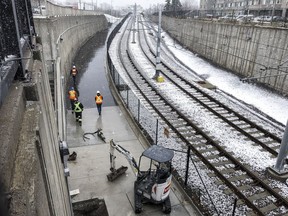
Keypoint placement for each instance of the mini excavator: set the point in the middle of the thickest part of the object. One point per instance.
(152, 185)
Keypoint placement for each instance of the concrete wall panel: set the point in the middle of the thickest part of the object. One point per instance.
(11, 118)
(247, 50)
(74, 31)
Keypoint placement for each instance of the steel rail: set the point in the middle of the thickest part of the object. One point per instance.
(139, 83)
(218, 103)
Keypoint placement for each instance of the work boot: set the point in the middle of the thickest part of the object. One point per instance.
(73, 156)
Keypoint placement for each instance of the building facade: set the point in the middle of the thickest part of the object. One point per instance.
(237, 7)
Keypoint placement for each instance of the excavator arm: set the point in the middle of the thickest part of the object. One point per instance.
(117, 172)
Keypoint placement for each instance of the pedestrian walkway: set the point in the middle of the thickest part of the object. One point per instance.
(88, 172)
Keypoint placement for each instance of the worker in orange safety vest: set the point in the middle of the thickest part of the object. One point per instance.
(99, 101)
(72, 96)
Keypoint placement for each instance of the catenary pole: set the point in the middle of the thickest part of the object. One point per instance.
(157, 73)
(134, 20)
(283, 150)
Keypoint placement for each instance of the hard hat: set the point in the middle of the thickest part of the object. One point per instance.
(98, 92)
(75, 99)
(72, 88)
(74, 66)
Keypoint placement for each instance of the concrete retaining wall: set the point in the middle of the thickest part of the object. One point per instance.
(31, 168)
(63, 36)
(49, 150)
(29, 196)
(32, 174)
(61, 39)
(12, 111)
(247, 50)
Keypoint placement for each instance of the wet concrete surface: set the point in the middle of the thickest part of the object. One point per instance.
(90, 62)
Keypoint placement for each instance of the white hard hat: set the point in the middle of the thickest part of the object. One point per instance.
(74, 66)
(98, 92)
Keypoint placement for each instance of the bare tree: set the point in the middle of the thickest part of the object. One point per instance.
(190, 5)
(174, 5)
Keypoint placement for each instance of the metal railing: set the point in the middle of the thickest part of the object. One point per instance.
(155, 130)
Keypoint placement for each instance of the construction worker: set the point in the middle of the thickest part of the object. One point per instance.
(74, 73)
(78, 109)
(99, 101)
(72, 95)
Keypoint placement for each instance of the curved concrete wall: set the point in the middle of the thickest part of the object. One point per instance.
(32, 172)
(61, 38)
(247, 50)
(73, 31)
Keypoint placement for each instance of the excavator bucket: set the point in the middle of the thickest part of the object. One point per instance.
(116, 173)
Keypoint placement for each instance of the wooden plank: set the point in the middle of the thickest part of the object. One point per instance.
(269, 208)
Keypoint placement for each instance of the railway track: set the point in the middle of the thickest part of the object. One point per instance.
(267, 140)
(238, 179)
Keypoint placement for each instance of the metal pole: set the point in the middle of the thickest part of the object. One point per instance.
(234, 207)
(157, 73)
(283, 150)
(113, 72)
(111, 8)
(138, 111)
(134, 20)
(273, 11)
(187, 164)
(127, 97)
(18, 36)
(29, 24)
(156, 139)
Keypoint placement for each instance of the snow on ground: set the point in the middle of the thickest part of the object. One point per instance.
(232, 85)
(111, 19)
(269, 103)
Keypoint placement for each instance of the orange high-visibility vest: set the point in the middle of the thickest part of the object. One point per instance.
(72, 94)
(98, 99)
(74, 71)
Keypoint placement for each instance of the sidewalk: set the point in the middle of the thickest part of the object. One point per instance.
(88, 172)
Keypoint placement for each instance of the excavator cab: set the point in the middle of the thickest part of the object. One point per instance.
(153, 175)
(153, 185)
